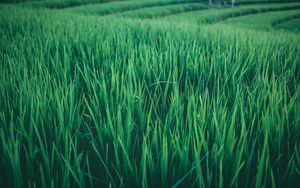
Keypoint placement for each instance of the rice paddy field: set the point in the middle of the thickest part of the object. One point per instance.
(149, 93)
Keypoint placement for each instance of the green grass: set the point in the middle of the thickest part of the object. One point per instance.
(58, 4)
(264, 21)
(108, 101)
(117, 7)
(244, 2)
(292, 25)
(155, 12)
(70, 3)
(214, 15)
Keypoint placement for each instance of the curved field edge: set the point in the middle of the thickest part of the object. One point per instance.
(262, 21)
(215, 15)
(81, 4)
(155, 12)
(291, 25)
(247, 2)
(250, 11)
(281, 21)
(119, 7)
(61, 4)
(85, 104)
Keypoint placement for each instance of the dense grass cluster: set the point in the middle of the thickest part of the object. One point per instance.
(87, 101)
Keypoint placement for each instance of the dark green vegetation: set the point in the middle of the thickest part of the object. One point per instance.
(57, 3)
(158, 6)
(263, 21)
(218, 15)
(190, 96)
(292, 25)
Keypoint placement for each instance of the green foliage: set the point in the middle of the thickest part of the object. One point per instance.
(215, 15)
(292, 25)
(264, 21)
(57, 3)
(156, 12)
(110, 101)
(118, 7)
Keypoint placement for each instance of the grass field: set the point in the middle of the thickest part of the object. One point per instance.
(125, 6)
(292, 25)
(220, 14)
(264, 21)
(168, 93)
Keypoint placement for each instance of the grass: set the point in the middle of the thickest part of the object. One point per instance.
(61, 4)
(264, 21)
(117, 7)
(245, 2)
(215, 15)
(155, 12)
(106, 101)
(290, 25)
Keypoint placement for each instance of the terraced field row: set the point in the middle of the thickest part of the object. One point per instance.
(178, 10)
(292, 25)
(264, 21)
(80, 5)
(162, 8)
(156, 12)
(124, 6)
(245, 2)
(185, 11)
(216, 15)
(59, 4)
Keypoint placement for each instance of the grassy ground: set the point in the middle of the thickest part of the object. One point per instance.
(56, 3)
(87, 100)
(117, 7)
(290, 25)
(156, 12)
(219, 14)
(264, 21)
